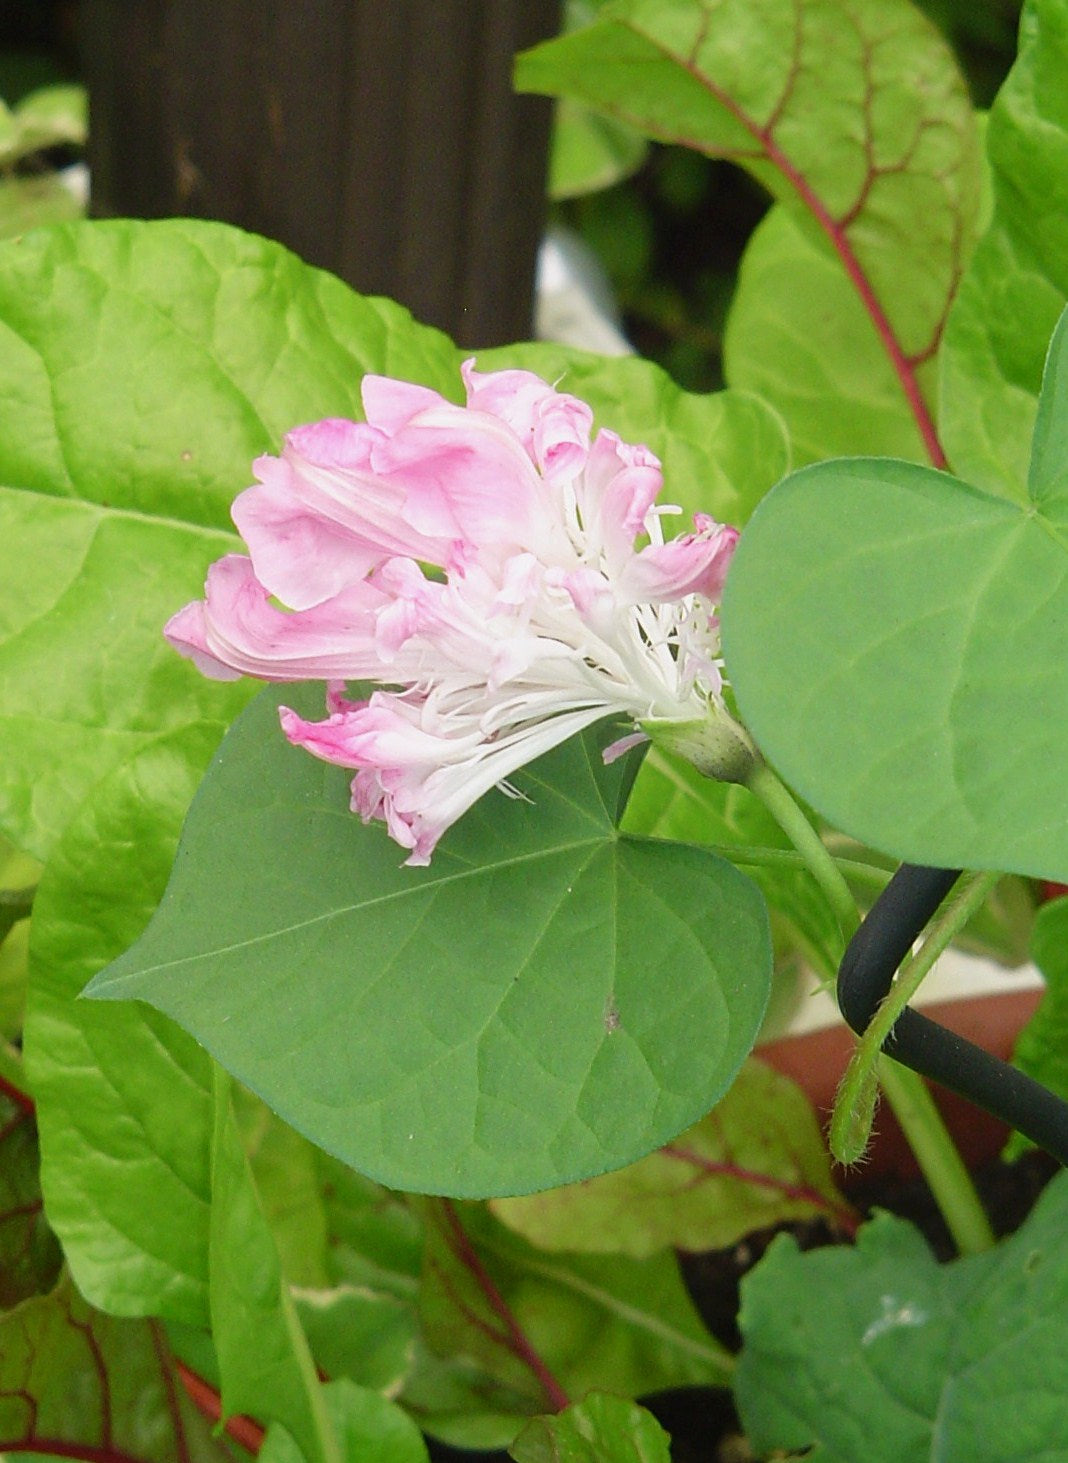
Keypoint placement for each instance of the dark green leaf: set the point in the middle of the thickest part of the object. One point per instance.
(671, 799)
(549, 1000)
(879, 1353)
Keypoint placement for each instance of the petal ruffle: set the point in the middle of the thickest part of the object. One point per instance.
(237, 631)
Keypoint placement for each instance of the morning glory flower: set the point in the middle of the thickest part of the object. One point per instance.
(496, 569)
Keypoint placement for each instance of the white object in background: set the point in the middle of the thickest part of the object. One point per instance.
(573, 302)
(75, 179)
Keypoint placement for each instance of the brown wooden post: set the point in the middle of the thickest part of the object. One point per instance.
(380, 139)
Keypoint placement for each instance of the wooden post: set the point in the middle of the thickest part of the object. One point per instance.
(379, 139)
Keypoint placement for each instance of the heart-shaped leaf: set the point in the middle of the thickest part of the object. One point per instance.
(549, 1000)
(898, 640)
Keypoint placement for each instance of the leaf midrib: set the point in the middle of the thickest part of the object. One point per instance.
(109, 511)
(430, 888)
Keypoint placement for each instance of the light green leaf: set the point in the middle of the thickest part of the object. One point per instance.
(834, 384)
(721, 452)
(589, 152)
(548, 1000)
(897, 640)
(880, 1353)
(599, 1429)
(369, 1430)
(542, 1325)
(143, 366)
(286, 1174)
(52, 116)
(123, 1096)
(852, 112)
(1015, 289)
(264, 1363)
(757, 1159)
(76, 1383)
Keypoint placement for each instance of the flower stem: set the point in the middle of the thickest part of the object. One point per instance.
(905, 1090)
(784, 808)
(938, 1157)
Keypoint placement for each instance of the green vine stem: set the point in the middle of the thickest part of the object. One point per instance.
(905, 1090)
(956, 914)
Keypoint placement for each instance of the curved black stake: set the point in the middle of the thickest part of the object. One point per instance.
(864, 978)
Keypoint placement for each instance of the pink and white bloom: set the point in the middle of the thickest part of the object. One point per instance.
(543, 616)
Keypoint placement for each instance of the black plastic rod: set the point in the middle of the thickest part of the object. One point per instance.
(865, 976)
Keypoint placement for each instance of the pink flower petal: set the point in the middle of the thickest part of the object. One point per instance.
(321, 517)
(465, 477)
(552, 427)
(545, 620)
(390, 405)
(187, 632)
(695, 563)
(300, 555)
(238, 631)
(618, 488)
